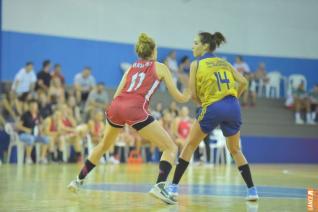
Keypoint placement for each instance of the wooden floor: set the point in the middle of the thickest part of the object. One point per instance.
(124, 188)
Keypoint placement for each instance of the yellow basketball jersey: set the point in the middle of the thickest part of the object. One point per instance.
(214, 79)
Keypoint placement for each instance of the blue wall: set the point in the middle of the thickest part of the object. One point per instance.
(105, 57)
(280, 149)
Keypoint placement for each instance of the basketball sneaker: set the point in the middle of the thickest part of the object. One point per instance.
(160, 192)
(75, 185)
(252, 194)
(173, 190)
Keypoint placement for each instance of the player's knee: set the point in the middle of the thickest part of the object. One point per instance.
(171, 147)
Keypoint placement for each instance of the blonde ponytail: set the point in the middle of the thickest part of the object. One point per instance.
(144, 46)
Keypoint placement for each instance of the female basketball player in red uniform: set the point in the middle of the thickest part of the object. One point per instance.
(130, 106)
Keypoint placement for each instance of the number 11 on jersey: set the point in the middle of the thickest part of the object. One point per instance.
(132, 86)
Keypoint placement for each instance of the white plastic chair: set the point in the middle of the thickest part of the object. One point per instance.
(14, 142)
(274, 84)
(220, 147)
(294, 80)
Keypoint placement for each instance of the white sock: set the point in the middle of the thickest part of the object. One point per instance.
(297, 116)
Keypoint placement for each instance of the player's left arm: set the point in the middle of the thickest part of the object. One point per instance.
(240, 79)
(121, 84)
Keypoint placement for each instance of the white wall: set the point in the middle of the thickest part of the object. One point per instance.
(258, 27)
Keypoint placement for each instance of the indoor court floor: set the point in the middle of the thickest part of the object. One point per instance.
(125, 187)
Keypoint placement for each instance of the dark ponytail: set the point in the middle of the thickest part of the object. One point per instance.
(213, 40)
(219, 38)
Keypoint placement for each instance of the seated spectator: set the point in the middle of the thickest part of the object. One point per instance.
(30, 131)
(53, 129)
(96, 126)
(45, 106)
(56, 91)
(166, 122)
(75, 109)
(171, 62)
(173, 109)
(181, 127)
(57, 72)
(44, 77)
(261, 79)
(184, 71)
(157, 113)
(72, 133)
(97, 100)
(184, 67)
(241, 66)
(84, 82)
(313, 96)
(8, 109)
(23, 85)
(301, 101)
(249, 96)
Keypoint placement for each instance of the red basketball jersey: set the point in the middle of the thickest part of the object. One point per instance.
(141, 80)
(131, 105)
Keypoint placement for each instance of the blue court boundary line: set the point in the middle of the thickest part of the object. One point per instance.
(207, 190)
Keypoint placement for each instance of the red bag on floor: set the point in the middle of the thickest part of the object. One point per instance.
(134, 157)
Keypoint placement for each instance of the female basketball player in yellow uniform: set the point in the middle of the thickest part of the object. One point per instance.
(216, 86)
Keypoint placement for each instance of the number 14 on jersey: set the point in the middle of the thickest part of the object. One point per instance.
(221, 80)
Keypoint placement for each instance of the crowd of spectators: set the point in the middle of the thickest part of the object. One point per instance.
(43, 109)
(66, 119)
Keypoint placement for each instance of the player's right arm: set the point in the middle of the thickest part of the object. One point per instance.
(164, 73)
(240, 79)
(121, 84)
